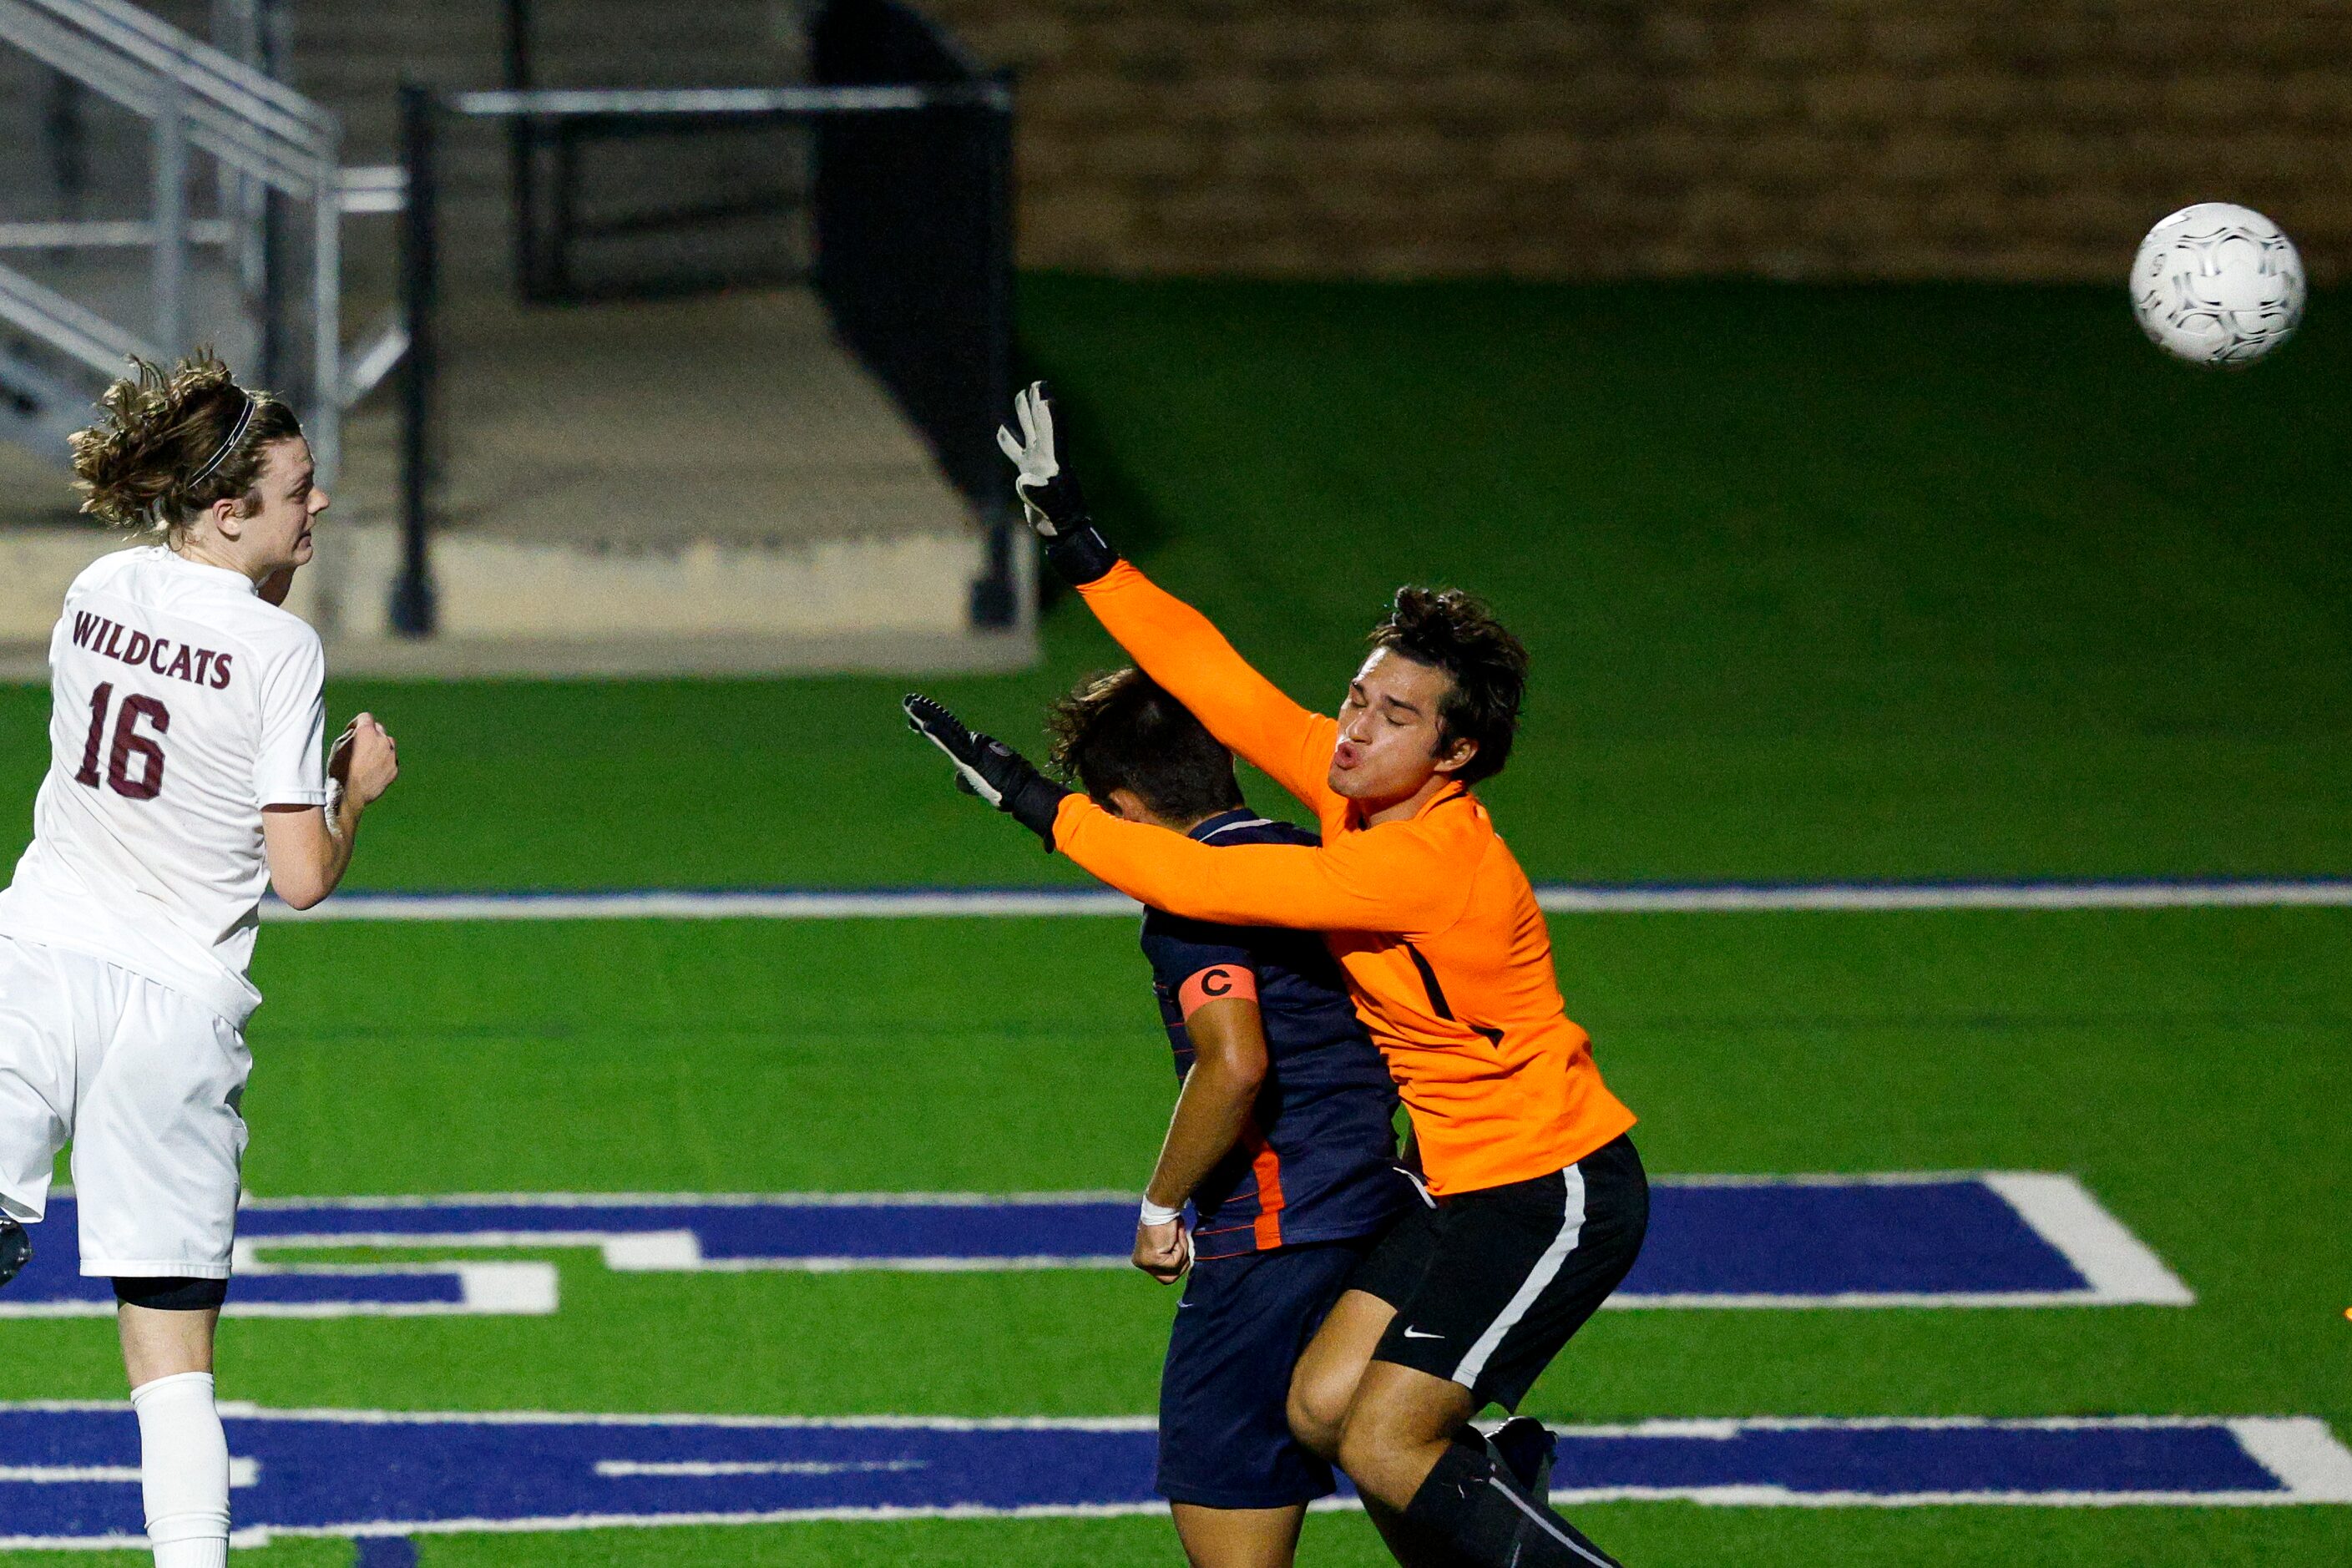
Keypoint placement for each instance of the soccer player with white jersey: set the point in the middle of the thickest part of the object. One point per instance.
(185, 776)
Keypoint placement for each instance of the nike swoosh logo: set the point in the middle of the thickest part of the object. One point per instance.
(1417, 1334)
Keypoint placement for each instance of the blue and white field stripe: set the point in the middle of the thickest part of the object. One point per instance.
(2000, 1238)
(1559, 897)
(68, 1471)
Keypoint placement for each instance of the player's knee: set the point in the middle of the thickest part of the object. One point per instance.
(1316, 1406)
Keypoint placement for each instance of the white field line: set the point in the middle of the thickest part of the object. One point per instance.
(794, 1200)
(903, 903)
(240, 1410)
(472, 1306)
(2301, 1452)
(2119, 1265)
(241, 1473)
(711, 1469)
(1626, 1300)
(239, 1539)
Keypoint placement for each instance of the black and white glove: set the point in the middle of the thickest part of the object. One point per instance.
(989, 768)
(1049, 492)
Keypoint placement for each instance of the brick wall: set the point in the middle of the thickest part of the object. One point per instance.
(1594, 138)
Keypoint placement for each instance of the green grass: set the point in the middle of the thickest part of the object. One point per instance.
(1901, 583)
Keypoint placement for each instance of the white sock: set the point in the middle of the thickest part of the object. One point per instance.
(184, 1470)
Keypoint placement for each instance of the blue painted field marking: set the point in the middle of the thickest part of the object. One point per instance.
(1983, 1239)
(1559, 897)
(385, 1551)
(371, 1473)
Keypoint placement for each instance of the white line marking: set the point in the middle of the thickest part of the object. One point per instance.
(241, 1410)
(509, 1289)
(749, 1200)
(241, 1473)
(714, 1469)
(1855, 1300)
(910, 903)
(311, 1311)
(653, 1251)
(2301, 1452)
(2118, 1265)
(1780, 1496)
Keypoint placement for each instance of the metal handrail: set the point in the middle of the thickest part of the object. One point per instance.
(203, 69)
(719, 100)
(199, 99)
(290, 164)
(79, 331)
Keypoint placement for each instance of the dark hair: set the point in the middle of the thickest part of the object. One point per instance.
(1123, 730)
(1447, 629)
(170, 443)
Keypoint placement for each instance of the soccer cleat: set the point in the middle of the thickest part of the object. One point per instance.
(15, 1250)
(1522, 1447)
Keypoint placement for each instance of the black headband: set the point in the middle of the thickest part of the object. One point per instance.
(235, 435)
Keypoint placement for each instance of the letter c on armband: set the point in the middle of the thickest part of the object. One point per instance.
(1216, 984)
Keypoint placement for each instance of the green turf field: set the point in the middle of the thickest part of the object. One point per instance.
(1898, 583)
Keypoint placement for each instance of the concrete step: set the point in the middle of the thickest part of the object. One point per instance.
(519, 609)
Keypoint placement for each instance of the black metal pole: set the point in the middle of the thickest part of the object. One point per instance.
(522, 151)
(996, 597)
(412, 594)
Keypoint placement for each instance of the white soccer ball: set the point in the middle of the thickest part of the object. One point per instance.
(2218, 284)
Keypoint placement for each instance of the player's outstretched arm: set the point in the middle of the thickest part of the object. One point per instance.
(1174, 643)
(309, 848)
(1391, 878)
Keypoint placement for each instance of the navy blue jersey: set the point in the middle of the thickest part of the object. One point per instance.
(1316, 1160)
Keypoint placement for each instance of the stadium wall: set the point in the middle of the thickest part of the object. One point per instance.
(1836, 139)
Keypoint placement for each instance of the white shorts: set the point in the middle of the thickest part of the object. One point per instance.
(146, 1083)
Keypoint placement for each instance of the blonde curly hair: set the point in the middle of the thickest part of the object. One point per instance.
(170, 443)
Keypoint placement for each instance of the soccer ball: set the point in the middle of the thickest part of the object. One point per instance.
(2218, 284)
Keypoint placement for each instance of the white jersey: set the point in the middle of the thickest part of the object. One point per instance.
(183, 704)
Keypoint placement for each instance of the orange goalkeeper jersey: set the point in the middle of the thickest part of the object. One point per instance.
(1431, 919)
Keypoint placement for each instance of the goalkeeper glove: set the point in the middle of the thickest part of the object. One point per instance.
(1049, 492)
(989, 768)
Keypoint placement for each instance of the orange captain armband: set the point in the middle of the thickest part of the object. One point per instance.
(1218, 983)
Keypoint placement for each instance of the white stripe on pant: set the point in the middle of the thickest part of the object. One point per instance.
(1537, 1281)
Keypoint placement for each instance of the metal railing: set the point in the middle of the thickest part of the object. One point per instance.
(268, 141)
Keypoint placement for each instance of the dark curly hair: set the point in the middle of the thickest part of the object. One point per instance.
(1123, 730)
(1448, 630)
(138, 467)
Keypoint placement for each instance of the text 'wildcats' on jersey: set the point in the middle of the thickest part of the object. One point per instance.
(1317, 1161)
(183, 705)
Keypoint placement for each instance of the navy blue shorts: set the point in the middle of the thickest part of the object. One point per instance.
(1224, 1440)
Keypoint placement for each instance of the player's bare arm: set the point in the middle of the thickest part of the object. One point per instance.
(311, 848)
(1229, 1064)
